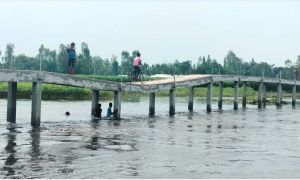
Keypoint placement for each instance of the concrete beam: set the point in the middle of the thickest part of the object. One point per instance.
(220, 101)
(36, 103)
(172, 102)
(191, 98)
(236, 94)
(294, 96)
(152, 104)
(209, 97)
(95, 101)
(244, 94)
(279, 89)
(117, 105)
(11, 102)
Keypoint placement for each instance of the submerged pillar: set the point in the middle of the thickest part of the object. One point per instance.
(294, 96)
(244, 94)
(264, 91)
(95, 101)
(151, 104)
(172, 102)
(36, 103)
(259, 100)
(191, 98)
(236, 94)
(209, 97)
(117, 105)
(278, 94)
(220, 94)
(11, 102)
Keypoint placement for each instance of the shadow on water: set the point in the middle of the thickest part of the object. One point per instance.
(10, 149)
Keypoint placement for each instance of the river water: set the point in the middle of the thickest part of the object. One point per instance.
(247, 143)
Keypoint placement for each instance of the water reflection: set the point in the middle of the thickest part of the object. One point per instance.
(10, 149)
(35, 151)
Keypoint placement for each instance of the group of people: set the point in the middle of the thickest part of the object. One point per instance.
(98, 111)
(71, 59)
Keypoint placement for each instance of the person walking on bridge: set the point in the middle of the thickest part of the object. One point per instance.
(71, 58)
(137, 62)
(296, 74)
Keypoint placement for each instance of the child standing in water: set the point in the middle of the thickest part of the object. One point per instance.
(109, 112)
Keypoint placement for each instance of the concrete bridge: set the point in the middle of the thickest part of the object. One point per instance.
(191, 81)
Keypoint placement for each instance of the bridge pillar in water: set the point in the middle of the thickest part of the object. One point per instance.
(95, 101)
(11, 102)
(172, 102)
(259, 100)
(152, 104)
(36, 103)
(264, 91)
(236, 94)
(244, 94)
(220, 94)
(117, 105)
(294, 96)
(278, 94)
(209, 97)
(191, 98)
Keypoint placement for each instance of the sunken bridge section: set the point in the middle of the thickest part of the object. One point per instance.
(37, 78)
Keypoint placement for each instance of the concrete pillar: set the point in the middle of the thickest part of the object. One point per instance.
(294, 96)
(172, 102)
(278, 94)
(209, 97)
(259, 100)
(264, 91)
(36, 103)
(11, 102)
(236, 94)
(95, 101)
(220, 94)
(152, 104)
(244, 94)
(117, 105)
(191, 98)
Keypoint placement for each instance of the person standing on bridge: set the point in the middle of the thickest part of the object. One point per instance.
(71, 58)
(137, 62)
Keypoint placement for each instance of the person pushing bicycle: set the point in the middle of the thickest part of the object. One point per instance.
(137, 62)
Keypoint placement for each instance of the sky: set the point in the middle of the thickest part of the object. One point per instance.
(162, 30)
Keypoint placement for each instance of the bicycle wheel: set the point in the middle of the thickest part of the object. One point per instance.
(142, 77)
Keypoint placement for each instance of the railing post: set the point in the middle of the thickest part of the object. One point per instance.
(152, 104)
(209, 97)
(11, 102)
(172, 102)
(117, 105)
(294, 96)
(191, 98)
(36, 103)
(236, 94)
(220, 101)
(244, 94)
(95, 101)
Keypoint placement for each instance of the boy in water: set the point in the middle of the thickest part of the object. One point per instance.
(98, 111)
(109, 112)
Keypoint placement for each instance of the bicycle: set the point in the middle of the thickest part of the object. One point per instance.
(140, 77)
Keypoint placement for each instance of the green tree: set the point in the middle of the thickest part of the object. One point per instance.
(9, 56)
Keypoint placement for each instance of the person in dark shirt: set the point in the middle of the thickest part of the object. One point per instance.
(72, 59)
(98, 111)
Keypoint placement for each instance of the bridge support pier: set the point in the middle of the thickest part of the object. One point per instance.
(209, 97)
(278, 94)
(236, 94)
(244, 94)
(259, 100)
(117, 105)
(220, 94)
(95, 101)
(11, 102)
(294, 96)
(36, 103)
(264, 93)
(152, 104)
(191, 98)
(172, 102)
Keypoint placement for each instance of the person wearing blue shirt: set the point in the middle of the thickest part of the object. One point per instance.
(71, 59)
(109, 112)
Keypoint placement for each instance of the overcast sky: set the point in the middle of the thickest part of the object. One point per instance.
(162, 30)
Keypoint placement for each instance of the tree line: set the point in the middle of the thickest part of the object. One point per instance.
(54, 61)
